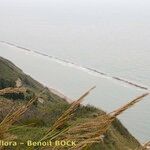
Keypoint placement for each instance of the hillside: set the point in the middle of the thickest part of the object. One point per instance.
(44, 112)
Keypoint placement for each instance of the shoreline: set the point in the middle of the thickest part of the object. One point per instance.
(91, 71)
(60, 94)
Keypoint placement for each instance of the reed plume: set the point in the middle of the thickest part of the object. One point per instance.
(146, 146)
(66, 115)
(91, 130)
(11, 90)
(16, 112)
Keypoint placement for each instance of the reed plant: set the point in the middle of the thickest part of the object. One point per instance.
(146, 146)
(11, 90)
(15, 113)
(92, 130)
(86, 133)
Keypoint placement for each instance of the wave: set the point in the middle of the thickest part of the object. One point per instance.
(77, 66)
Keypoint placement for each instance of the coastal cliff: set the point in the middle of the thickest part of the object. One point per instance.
(47, 109)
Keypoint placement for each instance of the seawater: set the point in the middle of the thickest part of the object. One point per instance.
(110, 36)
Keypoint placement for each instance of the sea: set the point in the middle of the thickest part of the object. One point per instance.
(73, 45)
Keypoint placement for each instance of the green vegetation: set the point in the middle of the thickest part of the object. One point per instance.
(39, 117)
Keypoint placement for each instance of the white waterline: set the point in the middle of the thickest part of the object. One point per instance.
(90, 71)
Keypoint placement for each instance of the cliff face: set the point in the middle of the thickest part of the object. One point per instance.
(49, 107)
(9, 74)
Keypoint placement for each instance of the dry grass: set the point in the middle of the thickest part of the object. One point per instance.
(146, 146)
(89, 132)
(93, 130)
(66, 115)
(15, 113)
(4, 102)
(12, 90)
(13, 116)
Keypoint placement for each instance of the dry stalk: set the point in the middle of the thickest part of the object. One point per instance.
(146, 146)
(16, 112)
(66, 115)
(93, 130)
(12, 90)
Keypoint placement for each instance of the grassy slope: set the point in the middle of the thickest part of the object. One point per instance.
(43, 115)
